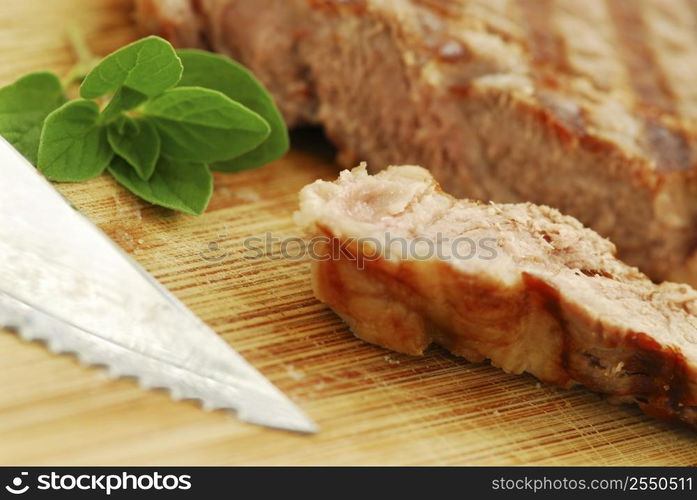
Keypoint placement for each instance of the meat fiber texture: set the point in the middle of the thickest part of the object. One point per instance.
(393, 256)
(589, 107)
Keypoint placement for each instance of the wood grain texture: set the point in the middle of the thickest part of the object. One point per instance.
(374, 407)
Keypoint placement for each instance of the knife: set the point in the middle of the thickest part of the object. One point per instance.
(64, 282)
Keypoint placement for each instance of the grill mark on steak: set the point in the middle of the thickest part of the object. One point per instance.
(654, 96)
(652, 91)
(549, 58)
(549, 55)
(546, 46)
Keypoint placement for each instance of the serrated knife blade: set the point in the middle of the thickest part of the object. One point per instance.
(64, 282)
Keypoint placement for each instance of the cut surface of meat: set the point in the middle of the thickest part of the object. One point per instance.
(531, 290)
(589, 107)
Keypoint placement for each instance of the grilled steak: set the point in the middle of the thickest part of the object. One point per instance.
(589, 107)
(519, 284)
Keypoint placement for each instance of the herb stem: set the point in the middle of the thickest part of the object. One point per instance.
(85, 59)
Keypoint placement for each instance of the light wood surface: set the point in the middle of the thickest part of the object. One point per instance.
(374, 407)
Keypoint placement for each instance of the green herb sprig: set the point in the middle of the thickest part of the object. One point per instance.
(158, 120)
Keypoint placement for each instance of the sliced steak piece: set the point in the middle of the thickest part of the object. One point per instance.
(589, 107)
(521, 285)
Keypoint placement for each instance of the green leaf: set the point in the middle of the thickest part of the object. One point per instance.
(73, 146)
(186, 187)
(24, 105)
(201, 125)
(217, 72)
(149, 66)
(136, 141)
(125, 99)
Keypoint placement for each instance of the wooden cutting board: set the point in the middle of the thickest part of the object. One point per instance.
(374, 406)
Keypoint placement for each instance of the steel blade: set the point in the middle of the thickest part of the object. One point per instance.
(65, 282)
